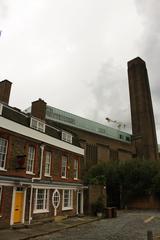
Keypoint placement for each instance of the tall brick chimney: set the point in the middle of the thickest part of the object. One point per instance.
(5, 88)
(38, 109)
(143, 125)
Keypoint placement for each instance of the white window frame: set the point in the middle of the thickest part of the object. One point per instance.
(70, 199)
(37, 124)
(56, 198)
(30, 160)
(45, 207)
(48, 160)
(67, 137)
(3, 153)
(64, 163)
(1, 108)
(76, 169)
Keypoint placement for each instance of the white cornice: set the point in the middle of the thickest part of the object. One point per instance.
(28, 132)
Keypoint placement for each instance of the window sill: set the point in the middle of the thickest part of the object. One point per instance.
(63, 177)
(40, 211)
(67, 208)
(3, 169)
(47, 176)
(30, 173)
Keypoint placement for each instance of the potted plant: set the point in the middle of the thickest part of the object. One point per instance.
(98, 207)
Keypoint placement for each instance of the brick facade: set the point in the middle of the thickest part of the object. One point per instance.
(143, 126)
(18, 133)
(35, 189)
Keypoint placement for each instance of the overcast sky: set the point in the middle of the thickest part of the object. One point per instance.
(74, 53)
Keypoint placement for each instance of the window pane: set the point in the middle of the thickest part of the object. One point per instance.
(67, 198)
(42, 199)
(48, 163)
(75, 168)
(30, 159)
(67, 137)
(3, 152)
(36, 124)
(56, 198)
(64, 166)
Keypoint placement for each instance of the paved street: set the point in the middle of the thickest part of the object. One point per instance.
(127, 226)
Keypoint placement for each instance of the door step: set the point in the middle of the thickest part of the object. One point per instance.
(19, 226)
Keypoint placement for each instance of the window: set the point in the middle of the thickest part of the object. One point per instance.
(30, 159)
(113, 155)
(56, 199)
(75, 169)
(64, 167)
(1, 108)
(121, 136)
(48, 163)
(37, 124)
(41, 200)
(67, 199)
(67, 137)
(128, 139)
(3, 152)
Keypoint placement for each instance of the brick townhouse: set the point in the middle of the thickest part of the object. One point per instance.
(40, 165)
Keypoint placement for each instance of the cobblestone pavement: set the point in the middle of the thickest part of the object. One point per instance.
(127, 226)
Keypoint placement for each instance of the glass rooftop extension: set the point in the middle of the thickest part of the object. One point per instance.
(70, 119)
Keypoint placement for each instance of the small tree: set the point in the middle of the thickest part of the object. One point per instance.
(96, 174)
(137, 179)
(131, 179)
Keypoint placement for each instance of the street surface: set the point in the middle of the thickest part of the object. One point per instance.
(127, 226)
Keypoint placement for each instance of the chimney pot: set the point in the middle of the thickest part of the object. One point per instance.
(38, 109)
(5, 89)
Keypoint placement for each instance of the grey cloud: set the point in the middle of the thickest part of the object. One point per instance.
(3, 9)
(149, 11)
(110, 91)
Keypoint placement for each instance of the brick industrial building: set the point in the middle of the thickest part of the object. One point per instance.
(45, 151)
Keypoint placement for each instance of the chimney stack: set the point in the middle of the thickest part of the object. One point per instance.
(5, 88)
(38, 109)
(143, 125)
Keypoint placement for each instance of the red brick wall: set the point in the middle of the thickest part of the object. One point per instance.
(145, 203)
(6, 206)
(91, 195)
(60, 212)
(18, 145)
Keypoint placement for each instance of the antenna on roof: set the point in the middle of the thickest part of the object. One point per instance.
(119, 125)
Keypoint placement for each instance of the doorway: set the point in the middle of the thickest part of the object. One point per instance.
(80, 202)
(18, 205)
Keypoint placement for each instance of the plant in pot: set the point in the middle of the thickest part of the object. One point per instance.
(98, 207)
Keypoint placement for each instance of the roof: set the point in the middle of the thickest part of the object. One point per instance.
(75, 121)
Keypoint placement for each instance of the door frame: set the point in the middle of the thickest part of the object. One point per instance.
(80, 192)
(13, 204)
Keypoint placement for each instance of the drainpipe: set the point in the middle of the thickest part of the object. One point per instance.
(41, 164)
(30, 205)
(39, 178)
